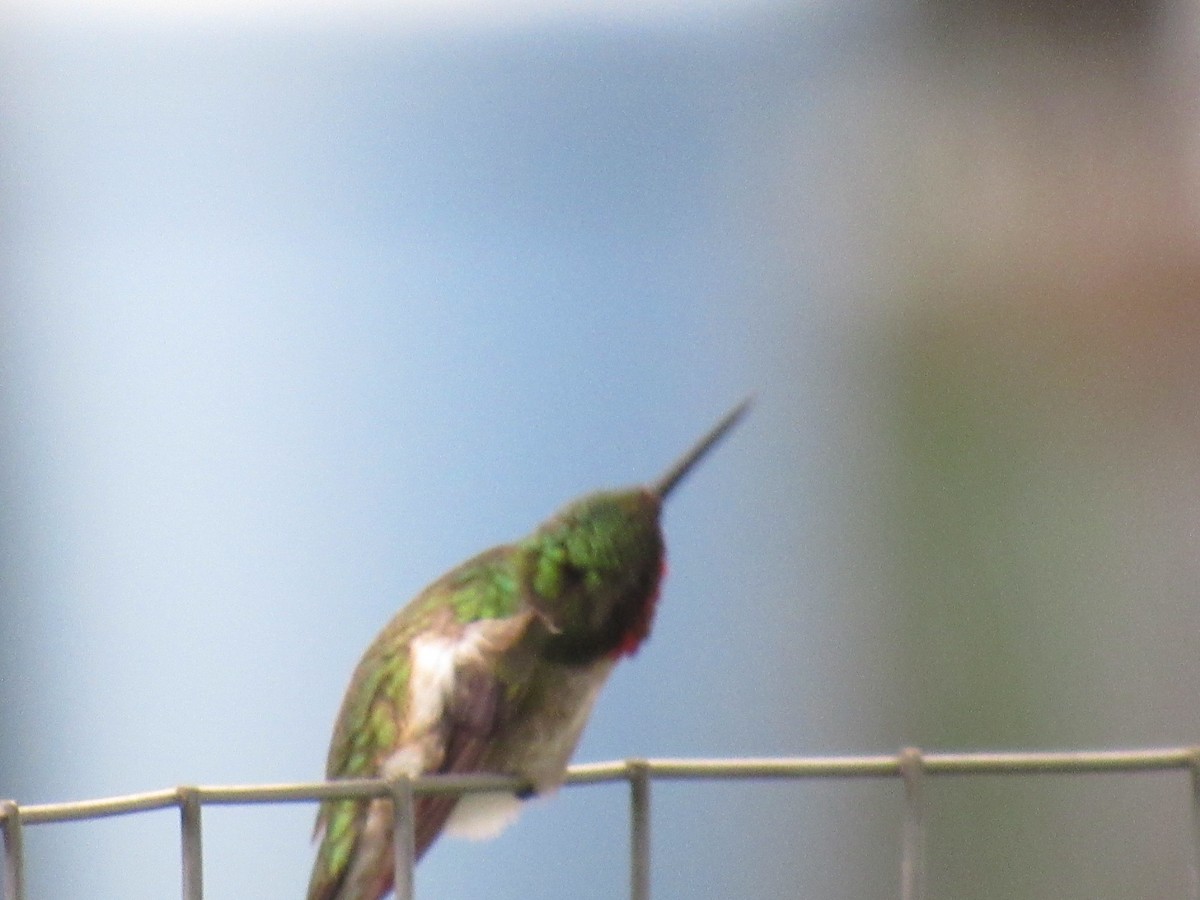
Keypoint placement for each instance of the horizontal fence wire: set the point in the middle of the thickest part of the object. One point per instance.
(912, 766)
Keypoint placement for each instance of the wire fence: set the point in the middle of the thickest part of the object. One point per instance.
(911, 766)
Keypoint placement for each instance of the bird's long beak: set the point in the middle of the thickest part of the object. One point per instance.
(679, 471)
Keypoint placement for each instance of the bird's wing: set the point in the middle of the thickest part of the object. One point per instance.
(427, 698)
(489, 683)
(367, 725)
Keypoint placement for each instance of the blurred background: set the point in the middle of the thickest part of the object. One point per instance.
(302, 303)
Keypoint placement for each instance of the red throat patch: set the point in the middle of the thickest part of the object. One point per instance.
(640, 629)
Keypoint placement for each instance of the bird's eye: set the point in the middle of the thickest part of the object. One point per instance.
(572, 575)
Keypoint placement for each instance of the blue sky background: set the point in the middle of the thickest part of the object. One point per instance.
(297, 317)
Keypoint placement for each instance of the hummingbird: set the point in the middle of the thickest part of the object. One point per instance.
(494, 668)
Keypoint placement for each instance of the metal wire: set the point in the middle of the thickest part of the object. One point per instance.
(912, 766)
(14, 851)
(639, 829)
(1194, 894)
(912, 858)
(191, 851)
(404, 830)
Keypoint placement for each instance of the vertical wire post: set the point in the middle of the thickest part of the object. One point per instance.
(639, 829)
(14, 851)
(912, 865)
(191, 848)
(1194, 868)
(403, 837)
